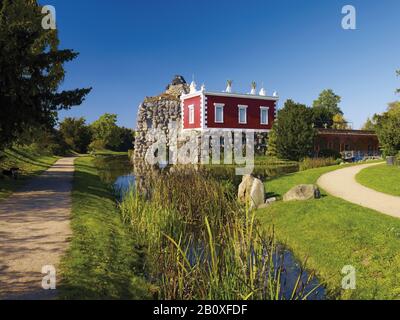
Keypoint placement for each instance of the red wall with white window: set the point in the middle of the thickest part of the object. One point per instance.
(196, 101)
(231, 112)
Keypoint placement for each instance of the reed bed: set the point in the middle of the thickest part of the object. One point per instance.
(200, 244)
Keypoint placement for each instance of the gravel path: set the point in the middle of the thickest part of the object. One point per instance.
(34, 232)
(342, 183)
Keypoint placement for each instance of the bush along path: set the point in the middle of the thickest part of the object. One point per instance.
(34, 231)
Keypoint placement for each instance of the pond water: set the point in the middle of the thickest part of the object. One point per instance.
(117, 172)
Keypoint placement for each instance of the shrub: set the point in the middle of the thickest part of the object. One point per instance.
(312, 163)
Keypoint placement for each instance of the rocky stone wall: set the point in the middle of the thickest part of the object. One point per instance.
(157, 113)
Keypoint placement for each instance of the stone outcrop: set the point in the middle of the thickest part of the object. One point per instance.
(302, 192)
(157, 113)
(251, 191)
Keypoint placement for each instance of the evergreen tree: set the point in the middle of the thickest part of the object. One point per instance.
(272, 140)
(31, 70)
(294, 131)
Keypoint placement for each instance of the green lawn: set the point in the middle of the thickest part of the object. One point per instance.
(102, 262)
(333, 233)
(381, 178)
(31, 164)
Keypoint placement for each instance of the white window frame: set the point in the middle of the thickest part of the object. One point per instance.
(191, 114)
(240, 108)
(217, 106)
(262, 109)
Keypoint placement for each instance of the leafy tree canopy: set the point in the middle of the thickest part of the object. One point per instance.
(31, 70)
(339, 122)
(370, 124)
(325, 108)
(76, 134)
(388, 129)
(294, 131)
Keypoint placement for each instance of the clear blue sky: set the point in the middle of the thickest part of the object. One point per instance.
(132, 49)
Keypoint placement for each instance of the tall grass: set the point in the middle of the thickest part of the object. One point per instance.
(201, 244)
(312, 163)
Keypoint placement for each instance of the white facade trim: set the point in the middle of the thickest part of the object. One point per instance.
(227, 94)
(228, 130)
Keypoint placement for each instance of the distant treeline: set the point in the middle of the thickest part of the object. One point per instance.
(74, 134)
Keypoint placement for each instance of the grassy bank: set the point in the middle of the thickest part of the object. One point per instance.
(29, 162)
(382, 178)
(334, 233)
(102, 262)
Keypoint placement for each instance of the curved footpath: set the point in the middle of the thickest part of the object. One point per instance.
(342, 184)
(34, 232)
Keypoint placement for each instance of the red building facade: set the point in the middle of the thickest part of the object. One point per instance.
(360, 143)
(203, 110)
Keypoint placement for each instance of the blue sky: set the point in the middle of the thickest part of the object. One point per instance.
(132, 49)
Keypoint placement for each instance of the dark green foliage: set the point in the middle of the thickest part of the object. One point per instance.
(126, 140)
(107, 135)
(76, 134)
(31, 70)
(272, 147)
(388, 129)
(294, 131)
(43, 140)
(325, 108)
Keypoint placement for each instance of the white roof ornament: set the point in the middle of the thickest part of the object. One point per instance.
(193, 87)
(203, 87)
(275, 94)
(229, 86)
(253, 88)
(263, 92)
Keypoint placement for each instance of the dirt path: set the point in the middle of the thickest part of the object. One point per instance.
(34, 232)
(342, 183)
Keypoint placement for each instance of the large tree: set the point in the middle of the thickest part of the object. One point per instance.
(31, 71)
(105, 131)
(388, 129)
(294, 131)
(76, 134)
(325, 108)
